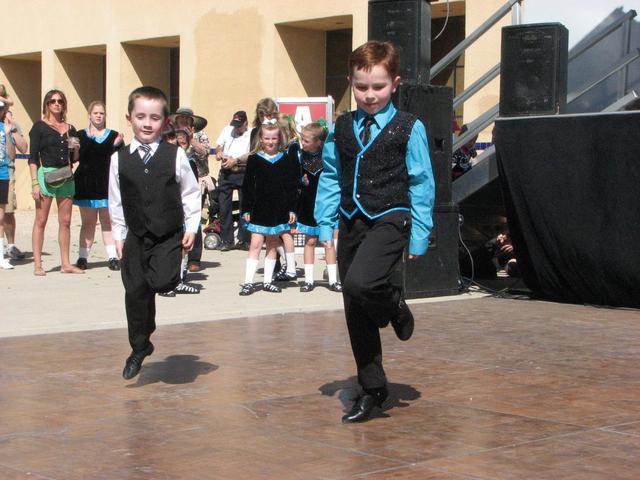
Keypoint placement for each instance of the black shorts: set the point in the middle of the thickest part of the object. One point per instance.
(4, 192)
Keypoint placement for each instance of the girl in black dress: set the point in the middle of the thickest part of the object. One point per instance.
(97, 144)
(312, 139)
(269, 194)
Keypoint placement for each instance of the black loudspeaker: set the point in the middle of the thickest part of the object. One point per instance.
(533, 69)
(437, 272)
(407, 24)
(434, 106)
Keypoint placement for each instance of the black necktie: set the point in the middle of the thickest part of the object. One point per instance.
(147, 152)
(365, 135)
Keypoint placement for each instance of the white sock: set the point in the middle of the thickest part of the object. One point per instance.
(111, 251)
(281, 253)
(308, 273)
(84, 252)
(291, 263)
(250, 269)
(269, 267)
(183, 267)
(332, 271)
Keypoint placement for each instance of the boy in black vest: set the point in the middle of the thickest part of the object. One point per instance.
(377, 178)
(154, 203)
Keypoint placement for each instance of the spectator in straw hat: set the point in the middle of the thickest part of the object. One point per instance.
(184, 119)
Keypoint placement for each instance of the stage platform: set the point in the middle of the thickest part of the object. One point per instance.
(486, 389)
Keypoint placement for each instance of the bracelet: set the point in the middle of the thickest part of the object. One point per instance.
(34, 183)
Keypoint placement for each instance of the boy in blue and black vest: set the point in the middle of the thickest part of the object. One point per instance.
(377, 178)
(154, 203)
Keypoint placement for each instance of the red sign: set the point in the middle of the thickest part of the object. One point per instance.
(307, 109)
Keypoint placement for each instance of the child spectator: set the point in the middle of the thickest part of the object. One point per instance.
(461, 158)
(154, 202)
(312, 139)
(7, 154)
(269, 200)
(377, 176)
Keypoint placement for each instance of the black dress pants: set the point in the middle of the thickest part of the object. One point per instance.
(150, 265)
(195, 254)
(368, 254)
(227, 183)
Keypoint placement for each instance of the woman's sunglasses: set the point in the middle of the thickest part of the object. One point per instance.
(56, 100)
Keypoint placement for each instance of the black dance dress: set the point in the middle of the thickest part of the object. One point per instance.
(270, 191)
(92, 174)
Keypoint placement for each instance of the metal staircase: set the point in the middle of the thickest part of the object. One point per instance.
(485, 169)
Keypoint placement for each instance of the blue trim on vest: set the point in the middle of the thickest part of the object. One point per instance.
(262, 230)
(354, 194)
(307, 230)
(271, 160)
(372, 217)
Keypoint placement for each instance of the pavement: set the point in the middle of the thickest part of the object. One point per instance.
(60, 302)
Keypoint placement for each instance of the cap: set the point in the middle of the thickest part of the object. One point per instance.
(239, 118)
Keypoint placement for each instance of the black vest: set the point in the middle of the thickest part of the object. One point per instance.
(151, 198)
(382, 181)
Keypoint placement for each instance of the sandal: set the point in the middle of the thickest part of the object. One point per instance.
(307, 287)
(270, 287)
(188, 289)
(246, 289)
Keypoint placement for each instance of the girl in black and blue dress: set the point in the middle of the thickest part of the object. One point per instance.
(97, 144)
(269, 196)
(312, 140)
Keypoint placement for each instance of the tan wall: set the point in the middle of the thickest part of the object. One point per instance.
(482, 56)
(232, 53)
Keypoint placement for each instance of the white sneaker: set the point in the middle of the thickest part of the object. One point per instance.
(5, 264)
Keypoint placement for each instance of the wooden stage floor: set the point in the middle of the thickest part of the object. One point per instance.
(486, 389)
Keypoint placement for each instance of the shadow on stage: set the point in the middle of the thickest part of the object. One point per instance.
(173, 370)
(400, 395)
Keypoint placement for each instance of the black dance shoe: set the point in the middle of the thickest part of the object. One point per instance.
(285, 277)
(134, 362)
(364, 405)
(270, 287)
(81, 263)
(403, 324)
(246, 289)
(335, 287)
(226, 247)
(114, 264)
(307, 287)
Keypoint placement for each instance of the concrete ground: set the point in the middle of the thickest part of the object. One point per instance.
(95, 300)
(254, 388)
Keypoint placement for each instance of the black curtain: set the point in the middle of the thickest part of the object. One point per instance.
(571, 187)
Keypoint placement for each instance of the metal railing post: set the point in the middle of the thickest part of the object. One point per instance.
(626, 47)
(471, 38)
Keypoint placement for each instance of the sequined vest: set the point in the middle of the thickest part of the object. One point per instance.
(377, 179)
(151, 198)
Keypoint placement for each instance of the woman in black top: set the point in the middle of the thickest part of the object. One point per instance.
(54, 144)
(97, 144)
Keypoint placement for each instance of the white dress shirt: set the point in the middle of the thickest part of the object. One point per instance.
(189, 191)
